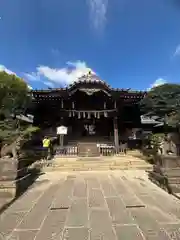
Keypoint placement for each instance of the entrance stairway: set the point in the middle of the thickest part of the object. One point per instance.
(98, 164)
(86, 149)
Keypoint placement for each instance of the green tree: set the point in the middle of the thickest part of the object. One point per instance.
(14, 99)
(163, 101)
(14, 95)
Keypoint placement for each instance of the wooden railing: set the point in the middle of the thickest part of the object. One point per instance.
(67, 151)
(109, 150)
(104, 149)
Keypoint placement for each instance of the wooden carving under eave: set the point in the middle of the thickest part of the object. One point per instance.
(91, 91)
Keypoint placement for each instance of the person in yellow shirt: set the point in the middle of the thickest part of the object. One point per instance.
(47, 147)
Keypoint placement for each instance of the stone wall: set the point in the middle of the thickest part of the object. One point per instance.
(166, 173)
(15, 177)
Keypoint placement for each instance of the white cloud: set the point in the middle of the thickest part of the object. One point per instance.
(4, 69)
(177, 51)
(158, 82)
(49, 84)
(98, 12)
(61, 76)
(32, 76)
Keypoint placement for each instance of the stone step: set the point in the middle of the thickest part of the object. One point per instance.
(169, 180)
(99, 164)
(172, 172)
(88, 154)
(108, 157)
(7, 193)
(174, 180)
(175, 188)
(85, 168)
(98, 161)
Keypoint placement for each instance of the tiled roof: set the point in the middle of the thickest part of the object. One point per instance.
(149, 120)
(89, 78)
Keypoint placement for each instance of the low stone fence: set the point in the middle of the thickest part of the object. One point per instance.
(166, 173)
(16, 176)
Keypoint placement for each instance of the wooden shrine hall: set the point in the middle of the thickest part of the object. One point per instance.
(93, 112)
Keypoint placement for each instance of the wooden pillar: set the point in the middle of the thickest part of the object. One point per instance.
(61, 140)
(116, 135)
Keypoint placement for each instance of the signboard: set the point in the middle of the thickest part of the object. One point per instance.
(62, 130)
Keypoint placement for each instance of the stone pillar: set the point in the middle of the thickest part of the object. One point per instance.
(12, 173)
(116, 135)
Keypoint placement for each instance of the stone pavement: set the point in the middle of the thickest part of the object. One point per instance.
(93, 206)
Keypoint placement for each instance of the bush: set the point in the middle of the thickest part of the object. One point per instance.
(156, 140)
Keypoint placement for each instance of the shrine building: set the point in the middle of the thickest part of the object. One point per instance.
(92, 111)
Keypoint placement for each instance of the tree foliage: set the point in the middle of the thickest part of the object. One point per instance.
(13, 94)
(14, 99)
(156, 140)
(163, 101)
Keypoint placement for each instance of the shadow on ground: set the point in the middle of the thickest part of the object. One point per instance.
(23, 181)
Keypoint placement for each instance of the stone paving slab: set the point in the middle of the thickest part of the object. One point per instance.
(36, 215)
(80, 188)
(107, 188)
(128, 232)
(148, 225)
(9, 222)
(96, 199)
(76, 233)
(100, 225)
(64, 195)
(53, 225)
(28, 200)
(93, 206)
(92, 182)
(118, 211)
(173, 231)
(154, 197)
(24, 235)
(78, 214)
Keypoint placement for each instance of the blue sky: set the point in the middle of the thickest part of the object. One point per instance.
(129, 44)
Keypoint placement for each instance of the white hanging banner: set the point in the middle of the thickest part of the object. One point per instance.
(62, 130)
